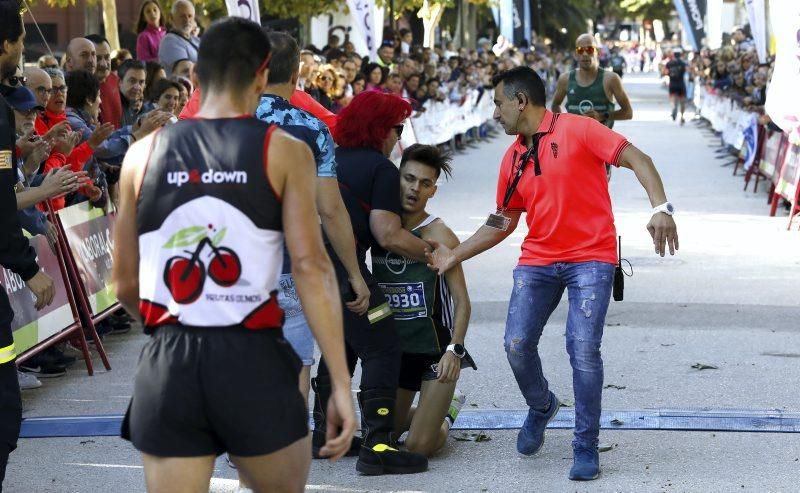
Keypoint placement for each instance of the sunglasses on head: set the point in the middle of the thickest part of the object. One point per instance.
(399, 129)
(590, 50)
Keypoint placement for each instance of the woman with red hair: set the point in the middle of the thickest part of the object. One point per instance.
(367, 130)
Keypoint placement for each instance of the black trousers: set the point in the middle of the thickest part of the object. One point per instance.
(10, 412)
(374, 342)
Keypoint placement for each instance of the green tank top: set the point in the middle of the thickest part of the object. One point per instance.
(421, 303)
(581, 100)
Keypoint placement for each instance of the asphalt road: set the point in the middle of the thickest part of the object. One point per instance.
(728, 299)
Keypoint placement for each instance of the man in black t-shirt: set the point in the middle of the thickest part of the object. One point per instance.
(676, 70)
(367, 130)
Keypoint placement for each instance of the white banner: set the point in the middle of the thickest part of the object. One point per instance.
(244, 8)
(757, 14)
(363, 14)
(783, 105)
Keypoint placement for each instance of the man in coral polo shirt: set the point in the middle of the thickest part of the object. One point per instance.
(555, 173)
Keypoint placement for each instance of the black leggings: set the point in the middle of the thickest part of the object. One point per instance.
(376, 344)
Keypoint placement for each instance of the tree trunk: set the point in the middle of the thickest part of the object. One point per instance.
(431, 14)
(471, 26)
(110, 21)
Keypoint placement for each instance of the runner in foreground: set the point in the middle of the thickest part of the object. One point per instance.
(571, 244)
(431, 312)
(205, 204)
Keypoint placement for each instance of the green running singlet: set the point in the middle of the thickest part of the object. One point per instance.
(420, 300)
(581, 100)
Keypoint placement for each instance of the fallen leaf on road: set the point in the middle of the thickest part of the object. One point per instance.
(702, 366)
(566, 403)
(667, 345)
(617, 422)
(612, 386)
(483, 437)
(473, 437)
(606, 448)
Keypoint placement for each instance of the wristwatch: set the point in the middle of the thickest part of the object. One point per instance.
(457, 349)
(666, 208)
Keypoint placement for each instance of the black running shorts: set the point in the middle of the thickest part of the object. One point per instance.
(416, 368)
(677, 90)
(206, 391)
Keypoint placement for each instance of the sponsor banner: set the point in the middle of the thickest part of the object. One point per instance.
(756, 13)
(88, 233)
(363, 13)
(771, 158)
(692, 14)
(244, 8)
(30, 326)
(750, 140)
(783, 105)
(790, 174)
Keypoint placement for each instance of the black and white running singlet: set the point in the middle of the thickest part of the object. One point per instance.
(209, 224)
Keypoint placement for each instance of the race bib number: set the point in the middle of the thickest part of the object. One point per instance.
(406, 299)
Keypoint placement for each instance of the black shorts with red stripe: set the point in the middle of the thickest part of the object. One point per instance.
(208, 390)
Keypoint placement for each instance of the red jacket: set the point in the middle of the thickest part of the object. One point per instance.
(110, 102)
(80, 154)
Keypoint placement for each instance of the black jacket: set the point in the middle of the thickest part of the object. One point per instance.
(16, 253)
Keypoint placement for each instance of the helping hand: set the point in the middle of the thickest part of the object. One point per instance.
(441, 259)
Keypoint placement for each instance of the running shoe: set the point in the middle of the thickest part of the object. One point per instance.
(27, 381)
(60, 358)
(459, 399)
(41, 370)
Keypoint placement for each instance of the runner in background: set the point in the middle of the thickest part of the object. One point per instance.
(206, 205)
(591, 91)
(676, 70)
(617, 62)
(431, 312)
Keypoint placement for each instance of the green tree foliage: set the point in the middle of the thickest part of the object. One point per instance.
(648, 9)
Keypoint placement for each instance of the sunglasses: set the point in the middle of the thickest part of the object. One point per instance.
(399, 129)
(325, 78)
(17, 81)
(589, 50)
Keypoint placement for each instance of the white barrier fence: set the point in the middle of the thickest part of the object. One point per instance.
(725, 116)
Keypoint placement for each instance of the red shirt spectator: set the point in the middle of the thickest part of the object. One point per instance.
(300, 99)
(568, 207)
(77, 158)
(110, 102)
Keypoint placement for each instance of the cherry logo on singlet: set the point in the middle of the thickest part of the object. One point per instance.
(185, 275)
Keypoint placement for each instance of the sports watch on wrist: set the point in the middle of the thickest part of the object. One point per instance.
(666, 208)
(457, 349)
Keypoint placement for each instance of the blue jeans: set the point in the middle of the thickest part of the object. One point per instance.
(537, 292)
(295, 326)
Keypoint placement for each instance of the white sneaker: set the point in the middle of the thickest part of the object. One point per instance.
(27, 381)
(459, 399)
